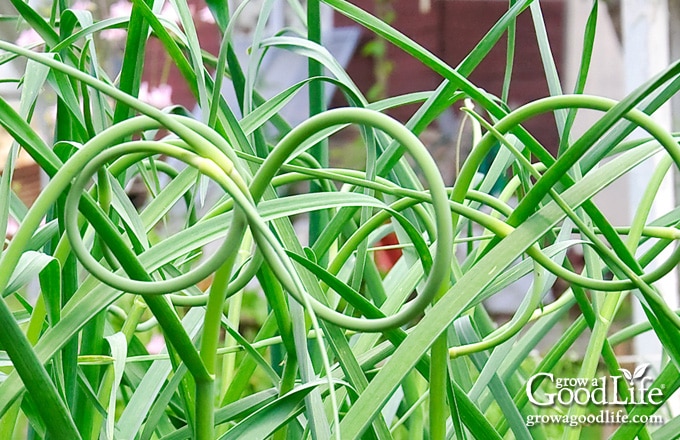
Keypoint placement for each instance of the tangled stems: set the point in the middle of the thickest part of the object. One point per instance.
(556, 172)
(32, 373)
(440, 267)
(504, 230)
(185, 132)
(409, 198)
(500, 229)
(61, 180)
(223, 259)
(438, 197)
(204, 149)
(154, 287)
(634, 280)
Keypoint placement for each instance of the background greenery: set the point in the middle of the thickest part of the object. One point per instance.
(272, 335)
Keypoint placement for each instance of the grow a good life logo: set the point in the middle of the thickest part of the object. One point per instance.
(603, 392)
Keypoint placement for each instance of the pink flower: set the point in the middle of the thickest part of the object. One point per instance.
(28, 38)
(169, 13)
(122, 8)
(156, 344)
(113, 34)
(12, 227)
(83, 5)
(206, 16)
(159, 97)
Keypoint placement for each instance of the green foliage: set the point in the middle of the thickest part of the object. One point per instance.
(271, 335)
(376, 49)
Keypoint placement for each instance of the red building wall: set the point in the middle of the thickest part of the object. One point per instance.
(450, 30)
